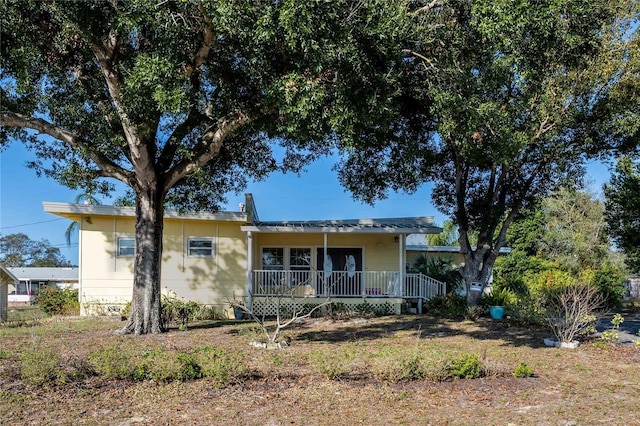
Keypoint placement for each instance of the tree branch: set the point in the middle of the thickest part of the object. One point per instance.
(208, 147)
(107, 167)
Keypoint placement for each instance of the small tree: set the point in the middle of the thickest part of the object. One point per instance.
(570, 310)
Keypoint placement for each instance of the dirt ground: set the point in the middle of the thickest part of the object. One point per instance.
(589, 385)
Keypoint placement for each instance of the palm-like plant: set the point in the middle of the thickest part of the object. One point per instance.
(84, 198)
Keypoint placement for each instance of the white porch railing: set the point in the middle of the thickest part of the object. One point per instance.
(343, 284)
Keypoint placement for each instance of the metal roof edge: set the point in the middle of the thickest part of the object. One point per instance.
(61, 209)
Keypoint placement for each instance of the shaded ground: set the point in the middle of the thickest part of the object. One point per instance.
(589, 385)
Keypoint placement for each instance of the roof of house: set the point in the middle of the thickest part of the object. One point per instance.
(75, 211)
(249, 216)
(404, 225)
(6, 276)
(45, 274)
(419, 243)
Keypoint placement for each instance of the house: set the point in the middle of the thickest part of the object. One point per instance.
(6, 279)
(32, 279)
(212, 258)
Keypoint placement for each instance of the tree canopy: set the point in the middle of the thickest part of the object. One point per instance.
(18, 250)
(511, 97)
(185, 101)
(623, 210)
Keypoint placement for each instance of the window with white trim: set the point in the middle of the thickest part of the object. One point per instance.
(126, 246)
(273, 258)
(200, 247)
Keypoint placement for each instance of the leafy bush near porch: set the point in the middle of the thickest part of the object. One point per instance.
(56, 301)
(451, 306)
(439, 268)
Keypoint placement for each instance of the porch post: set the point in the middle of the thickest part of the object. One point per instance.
(401, 257)
(249, 286)
(324, 259)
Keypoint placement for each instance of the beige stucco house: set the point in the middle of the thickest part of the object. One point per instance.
(212, 258)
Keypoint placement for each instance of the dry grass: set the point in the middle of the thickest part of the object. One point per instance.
(297, 385)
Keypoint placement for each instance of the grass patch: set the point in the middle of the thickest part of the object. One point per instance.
(376, 372)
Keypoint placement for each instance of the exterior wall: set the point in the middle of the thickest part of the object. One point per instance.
(3, 300)
(107, 279)
(380, 251)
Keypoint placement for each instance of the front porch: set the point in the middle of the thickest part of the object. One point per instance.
(293, 289)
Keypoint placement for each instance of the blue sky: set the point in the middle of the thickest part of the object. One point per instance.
(315, 194)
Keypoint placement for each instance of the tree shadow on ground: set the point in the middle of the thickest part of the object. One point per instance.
(426, 327)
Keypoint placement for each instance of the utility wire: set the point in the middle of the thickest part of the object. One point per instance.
(29, 224)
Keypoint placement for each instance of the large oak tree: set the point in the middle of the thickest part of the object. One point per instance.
(509, 100)
(184, 101)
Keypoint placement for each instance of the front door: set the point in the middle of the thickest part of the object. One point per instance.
(342, 271)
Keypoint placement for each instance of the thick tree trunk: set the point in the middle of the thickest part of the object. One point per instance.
(477, 272)
(145, 304)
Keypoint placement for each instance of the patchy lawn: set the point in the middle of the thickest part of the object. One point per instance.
(391, 370)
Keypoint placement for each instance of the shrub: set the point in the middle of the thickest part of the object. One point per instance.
(610, 336)
(498, 297)
(40, 366)
(610, 283)
(219, 366)
(523, 370)
(466, 366)
(331, 365)
(397, 367)
(440, 269)
(451, 305)
(56, 301)
(570, 310)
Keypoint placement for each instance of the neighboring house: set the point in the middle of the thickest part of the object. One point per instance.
(6, 279)
(213, 258)
(32, 279)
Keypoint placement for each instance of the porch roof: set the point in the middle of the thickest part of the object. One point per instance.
(405, 225)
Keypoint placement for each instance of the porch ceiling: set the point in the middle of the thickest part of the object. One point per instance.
(406, 225)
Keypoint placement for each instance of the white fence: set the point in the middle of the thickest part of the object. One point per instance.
(345, 284)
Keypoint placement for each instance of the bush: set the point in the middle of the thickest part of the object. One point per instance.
(56, 301)
(40, 366)
(451, 306)
(466, 366)
(610, 283)
(523, 370)
(570, 310)
(440, 269)
(397, 367)
(498, 297)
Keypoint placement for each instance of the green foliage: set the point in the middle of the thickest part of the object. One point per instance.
(466, 366)
(523, 370)
(451, 306)
(400, 365)
(498, 297)
(217, 365)
(610, 282)
(622, 195)
(41, 366)
(617, 320)
(610, 336)
(56, 301)
(18, 250)
(439, 268)
(332, 365)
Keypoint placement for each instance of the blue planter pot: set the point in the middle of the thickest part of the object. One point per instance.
(496, 312)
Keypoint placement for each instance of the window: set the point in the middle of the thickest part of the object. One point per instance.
(200, 247)
(300, 258)
(126, 246)
(273, 258)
